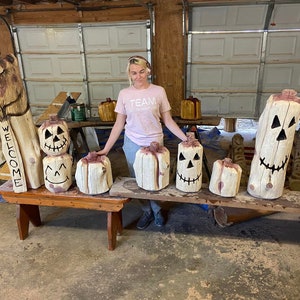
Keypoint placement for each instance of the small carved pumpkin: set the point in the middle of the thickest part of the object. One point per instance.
(225, 178)
(93, 174)
(58, 172)
(106, 110)
(54, 136)
(190, 109)
(152, 167)
(273, 145)
(189, 165)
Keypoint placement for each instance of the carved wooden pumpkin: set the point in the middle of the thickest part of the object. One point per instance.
(54, 136)
(274, 140)
(189, 165)
(190, 109)
(106, 110)
(225, 178)
(58, 172)
(93, 174)
(152, 167)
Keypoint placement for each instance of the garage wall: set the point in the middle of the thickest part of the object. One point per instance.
(240, 54)
(89, 58)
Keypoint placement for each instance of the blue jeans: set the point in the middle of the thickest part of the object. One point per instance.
(130, 149)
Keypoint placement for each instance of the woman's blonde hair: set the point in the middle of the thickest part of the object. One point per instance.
(140, 61)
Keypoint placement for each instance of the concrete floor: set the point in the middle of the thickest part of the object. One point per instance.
(190, 258)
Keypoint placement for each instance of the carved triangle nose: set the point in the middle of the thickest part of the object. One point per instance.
(281, 136)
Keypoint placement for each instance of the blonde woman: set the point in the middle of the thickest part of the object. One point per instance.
(140, 109)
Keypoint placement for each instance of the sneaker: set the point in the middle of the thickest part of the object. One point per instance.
(145, 220)
(159, 219)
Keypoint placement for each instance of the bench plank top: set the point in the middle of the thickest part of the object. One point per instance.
(127, 187)
(71, 198)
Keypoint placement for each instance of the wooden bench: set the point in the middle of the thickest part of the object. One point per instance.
(127, 187)
(28, 207)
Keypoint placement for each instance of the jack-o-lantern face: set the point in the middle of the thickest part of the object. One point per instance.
(54, 137)
(58, 172)
(189, 166)
(274, 141)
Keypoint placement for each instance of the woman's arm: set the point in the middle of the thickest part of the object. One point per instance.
(172, 126)
(114, 134)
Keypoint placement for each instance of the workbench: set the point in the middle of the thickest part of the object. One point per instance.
(127, 187)
(28, 203)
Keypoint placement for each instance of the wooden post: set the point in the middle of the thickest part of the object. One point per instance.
(230, 124)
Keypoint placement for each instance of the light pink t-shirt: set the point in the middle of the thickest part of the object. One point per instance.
(143, 109)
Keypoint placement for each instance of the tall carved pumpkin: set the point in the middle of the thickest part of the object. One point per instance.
(57, 165)
(274, 140)
(93, 174)
(189, 165)
(152, 167)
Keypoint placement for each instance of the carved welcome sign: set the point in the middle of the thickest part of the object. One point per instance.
(11, 152)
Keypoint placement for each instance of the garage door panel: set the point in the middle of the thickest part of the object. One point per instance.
(281, 76)
(108, 66)
(48, 39)
(229, 17)
(243, 77)
(224, 78)
(281, 46)
(52, 66)
(207, 77)
(99, 91)
(241, 104)
(115, 38)
(210, 103)
(131, 37)
(286, 16)
(226, 48)
(39, 93)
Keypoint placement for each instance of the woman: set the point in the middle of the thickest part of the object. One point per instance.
(139, 108)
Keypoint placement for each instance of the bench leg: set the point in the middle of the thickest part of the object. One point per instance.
(26, 213)
(114, 226)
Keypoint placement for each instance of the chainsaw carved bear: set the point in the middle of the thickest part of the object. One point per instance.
(20, 143)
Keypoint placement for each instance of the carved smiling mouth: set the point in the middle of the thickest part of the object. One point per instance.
(273, 167)
(58, 182)
(56, 148)
(188, 180)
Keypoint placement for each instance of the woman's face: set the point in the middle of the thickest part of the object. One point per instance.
(139, 76)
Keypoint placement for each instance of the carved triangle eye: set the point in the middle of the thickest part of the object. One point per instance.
(276, 122)
(293, 121)
(47, 134)
(196, 157)
(59, 130)
(181, 156)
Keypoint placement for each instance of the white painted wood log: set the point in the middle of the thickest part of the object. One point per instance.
(152, 167)
(13, 157)
(27, 137)
(189, 165)
(58, 172)
(225, 178)
(274, 140)
(93, 174)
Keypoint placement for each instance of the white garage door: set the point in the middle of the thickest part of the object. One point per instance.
(89, 58)
(240, 54)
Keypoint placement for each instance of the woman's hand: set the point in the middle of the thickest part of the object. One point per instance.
(102, 152)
